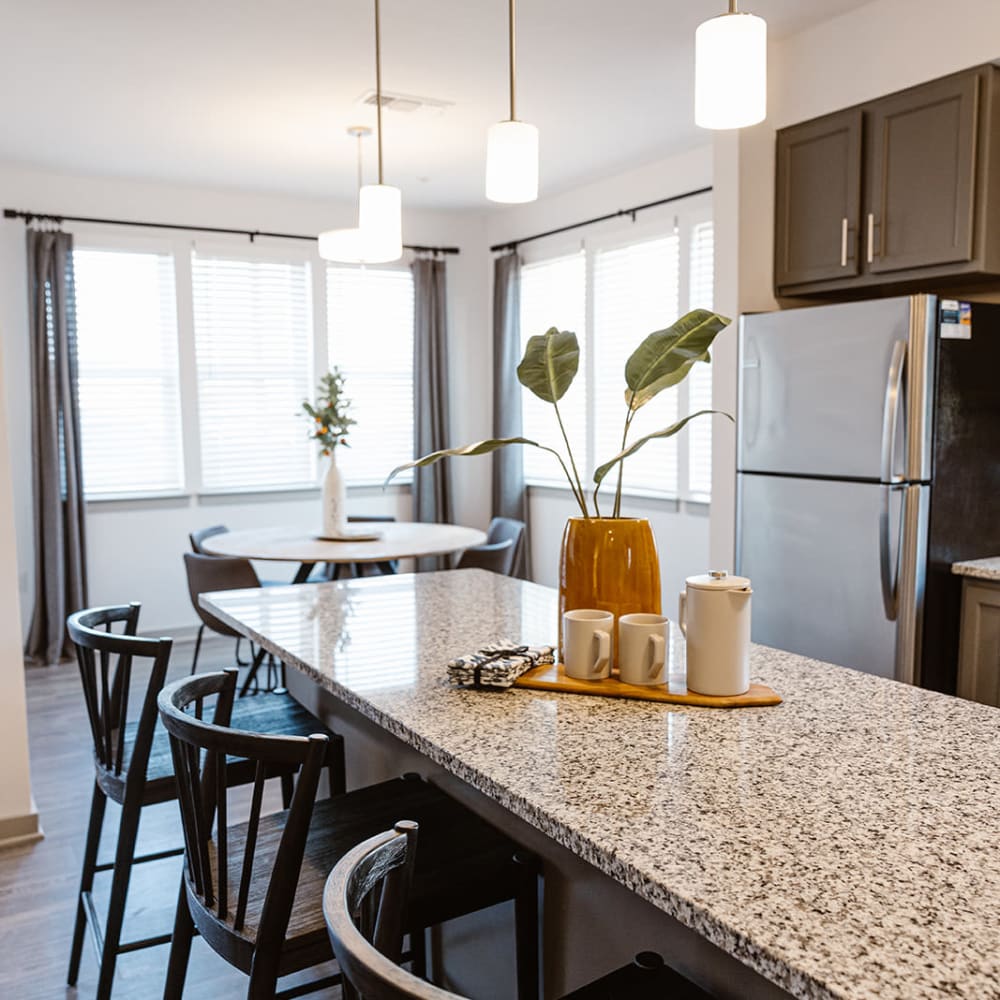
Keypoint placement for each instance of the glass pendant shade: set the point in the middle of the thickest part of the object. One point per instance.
(731, 71)
(380, 220)
(341, 245)
(512, 162)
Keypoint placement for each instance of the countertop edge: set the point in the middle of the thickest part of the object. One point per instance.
(978, 569)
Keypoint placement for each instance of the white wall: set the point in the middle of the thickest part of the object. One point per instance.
(135, 548)
(682, 529)
(15, 784)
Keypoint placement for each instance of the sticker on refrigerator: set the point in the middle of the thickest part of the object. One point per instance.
(956, 320)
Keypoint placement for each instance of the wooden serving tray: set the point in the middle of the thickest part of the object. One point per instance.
(552, 677)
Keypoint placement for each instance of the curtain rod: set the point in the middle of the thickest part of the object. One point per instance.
(29, 217)
(514, 244)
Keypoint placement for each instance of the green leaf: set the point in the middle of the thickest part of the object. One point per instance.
(666, 356)
(550, 364)
(643, 396)
(481, 448)
(670, 431)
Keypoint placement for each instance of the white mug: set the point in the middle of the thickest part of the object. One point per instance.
(587, 644)
(642, 648)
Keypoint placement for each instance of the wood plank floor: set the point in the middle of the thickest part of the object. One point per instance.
(38, 882)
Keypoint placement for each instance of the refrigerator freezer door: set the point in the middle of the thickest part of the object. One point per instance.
(811, 549)
(817, 390)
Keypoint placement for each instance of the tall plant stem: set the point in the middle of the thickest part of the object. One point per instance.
(617, 509)
(581, 497)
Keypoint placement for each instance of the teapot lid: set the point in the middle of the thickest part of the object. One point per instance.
(718, 579)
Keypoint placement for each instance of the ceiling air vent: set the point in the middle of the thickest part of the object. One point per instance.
(405, 103)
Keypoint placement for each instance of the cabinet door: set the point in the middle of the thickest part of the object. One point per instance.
(818, 200)
(979, 657)
(923, 165)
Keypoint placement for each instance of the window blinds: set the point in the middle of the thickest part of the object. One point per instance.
(699, 380)
(635, 293)
(370, 336)
(129, 386)
(253, 340)
(554, 293)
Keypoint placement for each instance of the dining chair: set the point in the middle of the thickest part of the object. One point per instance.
(254, 888)
(500, 552)
(364, 900)
(206, 574)
(132, 764)
(197, 538)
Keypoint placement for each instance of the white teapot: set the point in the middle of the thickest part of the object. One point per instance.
(714, 615)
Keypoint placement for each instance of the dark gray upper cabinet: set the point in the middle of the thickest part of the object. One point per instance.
(916, 176)
(923, 170)
(818, 199)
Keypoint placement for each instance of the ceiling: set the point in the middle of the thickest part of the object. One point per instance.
(258, 95)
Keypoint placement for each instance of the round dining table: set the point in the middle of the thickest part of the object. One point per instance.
(395, 540)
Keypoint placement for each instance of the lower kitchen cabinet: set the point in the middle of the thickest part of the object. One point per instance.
(979, 651)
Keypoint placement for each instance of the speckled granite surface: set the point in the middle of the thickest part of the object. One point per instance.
(844, 844)
(982, 569)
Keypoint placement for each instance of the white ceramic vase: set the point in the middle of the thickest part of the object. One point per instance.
(334, 500)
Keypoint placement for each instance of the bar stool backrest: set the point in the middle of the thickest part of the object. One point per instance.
(200, 750)
(363, 905)
(106, 659)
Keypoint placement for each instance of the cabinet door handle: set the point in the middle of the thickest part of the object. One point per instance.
(843, 242)
(871, 237)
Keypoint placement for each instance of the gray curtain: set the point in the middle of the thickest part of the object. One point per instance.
(509, 494)
(431, 485)
(60, 551)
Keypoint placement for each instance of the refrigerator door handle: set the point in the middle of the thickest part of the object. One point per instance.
(889, 580)
(890, 411)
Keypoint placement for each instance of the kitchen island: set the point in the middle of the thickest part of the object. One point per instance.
(842, 844)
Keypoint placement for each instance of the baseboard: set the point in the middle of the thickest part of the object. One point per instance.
(17, 830)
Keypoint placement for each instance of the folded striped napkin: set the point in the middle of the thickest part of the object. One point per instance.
(498, 664)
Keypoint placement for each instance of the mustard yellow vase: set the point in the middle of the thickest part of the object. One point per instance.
(611, 564)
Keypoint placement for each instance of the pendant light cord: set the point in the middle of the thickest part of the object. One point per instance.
(378, 84)
(732, 7)
(511, 18)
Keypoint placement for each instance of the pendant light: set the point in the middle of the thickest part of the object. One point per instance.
(730, 70)
(344, 246)
(512, 146)
(380, 206)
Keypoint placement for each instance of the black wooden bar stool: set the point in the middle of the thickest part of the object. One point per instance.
(254, 889)
(133, 765)
(365, 898)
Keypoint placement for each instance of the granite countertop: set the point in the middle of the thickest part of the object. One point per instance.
(842, 844)
(982, 569)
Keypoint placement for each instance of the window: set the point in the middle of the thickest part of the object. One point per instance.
(553, 293)
(253, 341)
(635, 293)
(129, 387)
(637, 285)
(699, 380)
(370, 338)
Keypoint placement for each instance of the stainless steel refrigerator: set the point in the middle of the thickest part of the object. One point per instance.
(868, 461)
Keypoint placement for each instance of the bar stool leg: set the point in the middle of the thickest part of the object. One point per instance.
(526, 925)
(180, 949)
(127, 833)
(97, 804)
(418, 952)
